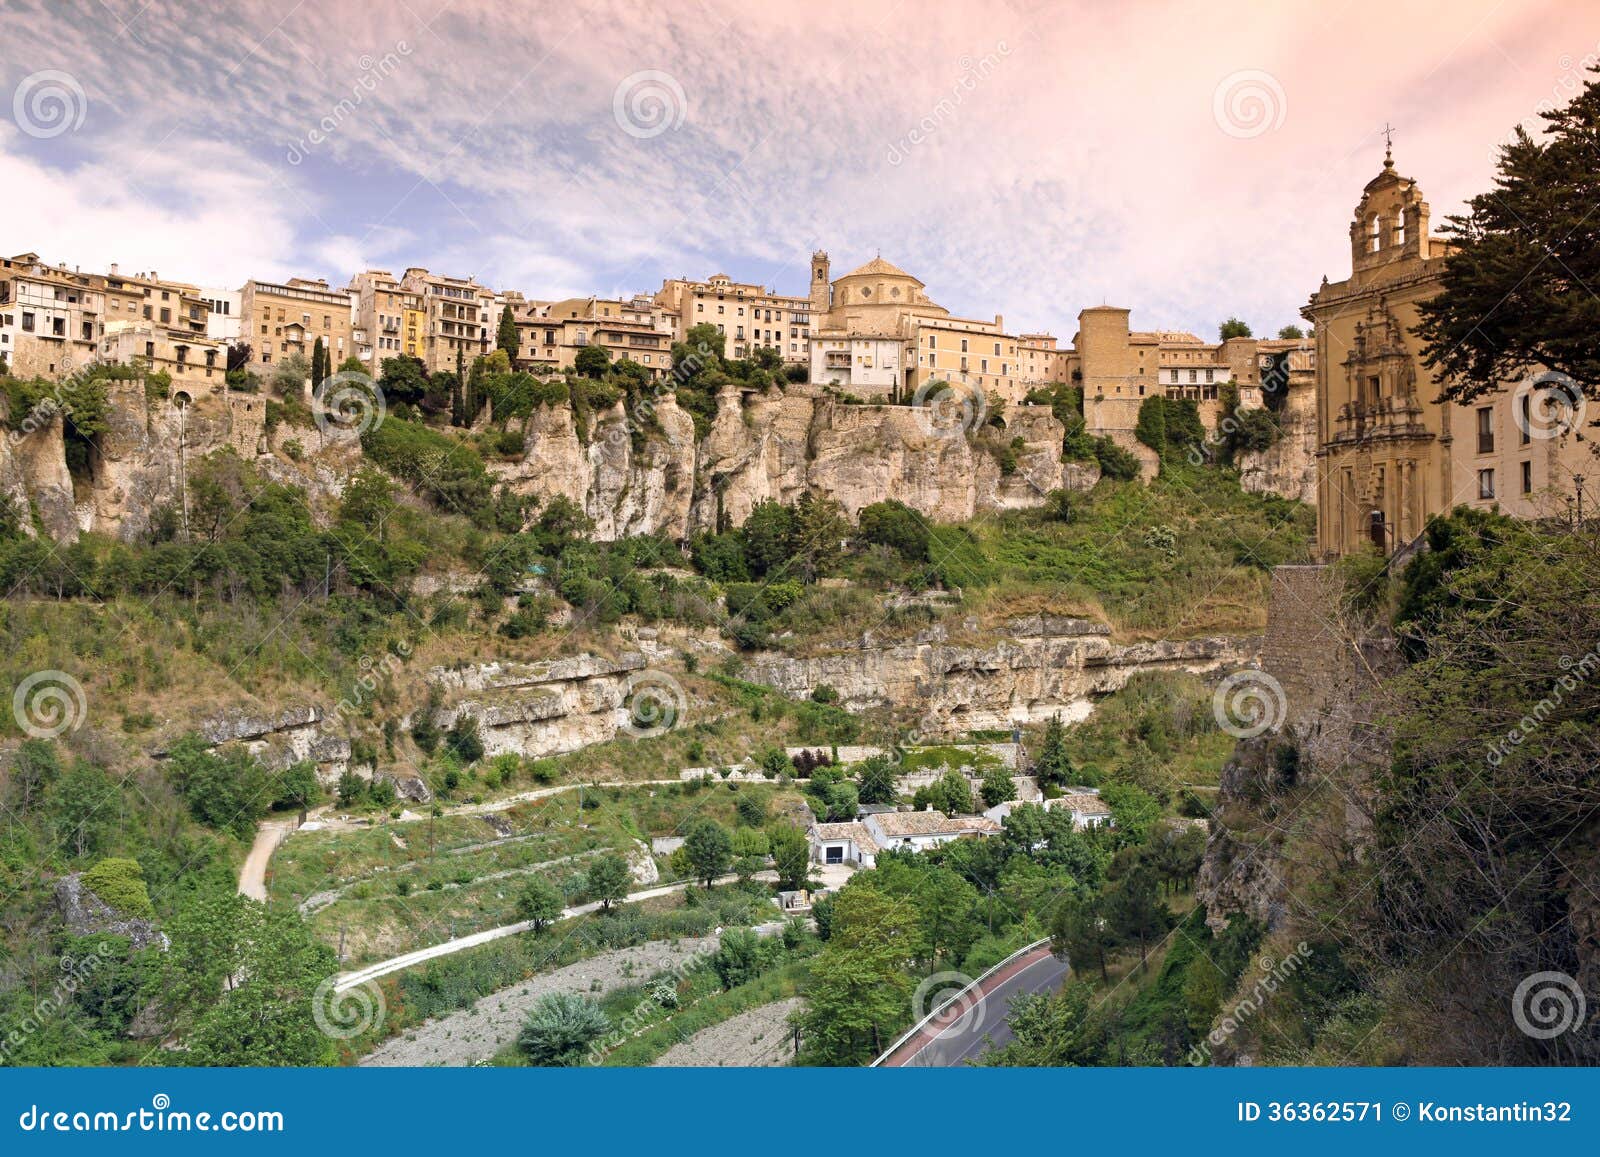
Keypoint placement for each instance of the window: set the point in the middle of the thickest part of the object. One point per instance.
(166, 316)
(1527, 477)
(1194, 376)
(1400, 229)
(27, 323)
(1209, 375)
(963, 345)
(1486, 430)
(1376, 234)
(1486, 484)
(1525, 419)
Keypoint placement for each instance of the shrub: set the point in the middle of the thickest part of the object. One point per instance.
(120, 884)
(560, 1028)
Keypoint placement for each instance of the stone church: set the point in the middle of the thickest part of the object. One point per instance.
(1391, 454)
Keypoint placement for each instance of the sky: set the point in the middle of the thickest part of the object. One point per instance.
(1190, 161)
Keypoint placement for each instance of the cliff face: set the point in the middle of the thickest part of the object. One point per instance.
(1328, 674)
(777, 446)
(1036, 668)
(1289, 466)
(139, 462)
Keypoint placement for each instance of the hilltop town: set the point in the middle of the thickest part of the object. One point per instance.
(719, 675)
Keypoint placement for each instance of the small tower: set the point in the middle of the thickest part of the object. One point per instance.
(821, 287)
(1391, 222)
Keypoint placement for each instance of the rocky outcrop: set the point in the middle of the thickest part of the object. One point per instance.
(139, 463)
(281, 738)
(1289, 466)
(646, 473)
(538, 709)
(86, 914)
(33, 475)
(1036, 669)
(1320, 679)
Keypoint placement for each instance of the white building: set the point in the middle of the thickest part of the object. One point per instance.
(222, 323)
(918, 831)
(848, 843)
(862, 364)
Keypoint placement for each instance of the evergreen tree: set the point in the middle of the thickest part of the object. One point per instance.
(1054, 765)
(507, 338)
(319, 363)
(1512, 296)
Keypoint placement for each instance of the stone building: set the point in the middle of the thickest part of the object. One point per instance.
(458, 316)
(281, 319)
(750, 316)
(550, 333)
(881, 335)
(390, 318)
(1391, 455)
(1118, 367)
(51, 317)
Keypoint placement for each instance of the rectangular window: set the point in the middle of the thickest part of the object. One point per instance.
(1527, 477)
(1486, 430)
(1525, 425)
(1486, 484)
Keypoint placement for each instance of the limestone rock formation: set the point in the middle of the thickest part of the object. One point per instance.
(1027, 675)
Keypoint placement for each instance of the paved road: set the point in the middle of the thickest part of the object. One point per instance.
(978, 1020)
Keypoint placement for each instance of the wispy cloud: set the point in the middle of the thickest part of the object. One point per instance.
(1067, 154)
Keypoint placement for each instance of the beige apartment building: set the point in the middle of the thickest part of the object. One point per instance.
(1390, 455)
(390, 319)
(1118, 368)
(280, 319)
(458, 318)
(196, 363)
(750, 317)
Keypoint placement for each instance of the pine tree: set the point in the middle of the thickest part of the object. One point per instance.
(1512, 295)
(1054, 765)
(507, 338)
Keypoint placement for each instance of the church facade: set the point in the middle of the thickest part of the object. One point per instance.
(1390, 453)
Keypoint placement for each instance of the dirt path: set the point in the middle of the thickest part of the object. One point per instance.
(760, 1038)
(477, 1033)
(253, 875)
(410, 959)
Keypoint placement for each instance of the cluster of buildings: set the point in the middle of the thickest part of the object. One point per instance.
(1387, 454)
